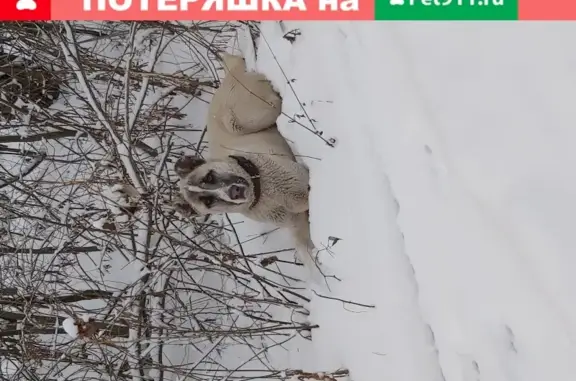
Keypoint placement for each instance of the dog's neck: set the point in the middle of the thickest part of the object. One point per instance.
(254, 174)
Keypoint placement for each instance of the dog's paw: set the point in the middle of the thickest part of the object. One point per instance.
(184, 209)
(180, 206)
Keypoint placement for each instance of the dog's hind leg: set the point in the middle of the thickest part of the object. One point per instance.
(252, 104)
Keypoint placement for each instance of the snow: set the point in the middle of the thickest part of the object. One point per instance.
(450, 188)
(70, 327)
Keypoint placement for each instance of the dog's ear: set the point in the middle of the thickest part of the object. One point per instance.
(187, 164)
(183, 208)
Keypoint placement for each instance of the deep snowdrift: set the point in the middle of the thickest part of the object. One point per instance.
(450, 187)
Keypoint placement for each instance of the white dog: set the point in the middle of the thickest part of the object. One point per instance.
(251, 169)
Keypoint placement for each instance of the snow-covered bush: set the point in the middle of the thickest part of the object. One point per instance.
(100, 278)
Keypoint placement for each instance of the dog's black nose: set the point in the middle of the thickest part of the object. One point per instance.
(236, 192)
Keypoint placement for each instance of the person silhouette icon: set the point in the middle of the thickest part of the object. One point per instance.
(26, 5)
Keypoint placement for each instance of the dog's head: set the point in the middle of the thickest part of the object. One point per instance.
(214, 186)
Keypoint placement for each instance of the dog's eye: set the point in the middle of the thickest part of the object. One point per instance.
(209, 178)
(208, 201)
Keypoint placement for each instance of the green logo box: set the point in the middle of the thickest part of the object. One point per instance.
(408, 10)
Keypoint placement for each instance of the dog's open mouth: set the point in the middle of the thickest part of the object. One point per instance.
(237, 192)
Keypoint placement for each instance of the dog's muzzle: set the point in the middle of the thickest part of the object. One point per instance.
(237, 192)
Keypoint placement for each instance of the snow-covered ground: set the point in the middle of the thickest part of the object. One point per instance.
(451, 188)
